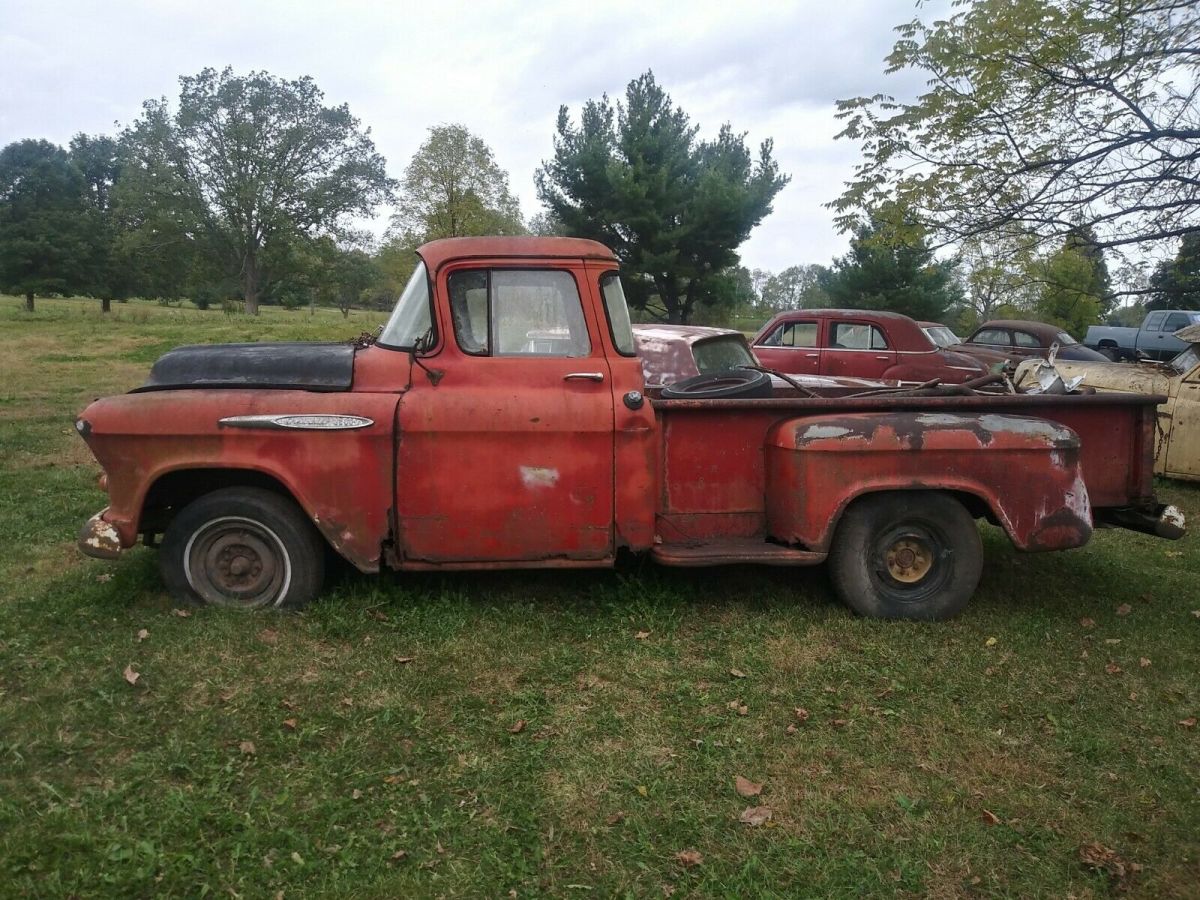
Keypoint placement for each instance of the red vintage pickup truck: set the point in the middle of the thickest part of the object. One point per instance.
(500, 420)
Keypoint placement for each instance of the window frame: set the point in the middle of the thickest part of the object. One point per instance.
(870, 348)
(612, 335)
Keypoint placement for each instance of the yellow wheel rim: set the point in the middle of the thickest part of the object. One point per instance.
(909, 560)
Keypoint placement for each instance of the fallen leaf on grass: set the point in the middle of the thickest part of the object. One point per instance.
(745, 787)
(392, 779)
(840, 723)
(738, 707)
(1088, 623)
(1189, 722)
(269, 636)
(1113, 669)
(801, 713)
(989, 817)
(1124, 609)
(105, 578)
(1112, 641)
(287, 704)
(755, 815)
(791, 729)
(290, 724)
(356, 794)
(643, 790)
(142, 635)
(1104, 859)
(399, 855)
(615, 819)
(377, 615)
(990, 642)
(689, 858)
(1143, 662)
(346, 701)
(182, 613)
(518, 726)
(737, 673)
(641, 635)
(247, 747)
(1196, 613)
(403, 660)
(130, 675)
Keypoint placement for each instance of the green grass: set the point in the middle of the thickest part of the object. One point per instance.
(378, 778)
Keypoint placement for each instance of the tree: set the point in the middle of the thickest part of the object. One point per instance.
(452, 188)
(1176, 282)
(48, 233)
(900, 277)
(1042, 116)
(97, 158)
(796, 287)
(248, 161)
(1070, 294)
(674, 209)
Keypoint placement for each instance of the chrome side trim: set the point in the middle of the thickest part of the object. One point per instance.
(298, 421)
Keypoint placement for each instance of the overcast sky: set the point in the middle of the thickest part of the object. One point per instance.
(501, 69)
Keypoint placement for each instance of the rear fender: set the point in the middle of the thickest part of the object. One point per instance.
(1024, 470)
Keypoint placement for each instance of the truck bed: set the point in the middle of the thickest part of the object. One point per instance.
(712, 467)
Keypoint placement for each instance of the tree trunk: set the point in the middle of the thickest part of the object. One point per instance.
(250, 284)
(105, 304)
(29, 301)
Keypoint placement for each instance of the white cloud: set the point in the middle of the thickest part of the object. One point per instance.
(500, 68)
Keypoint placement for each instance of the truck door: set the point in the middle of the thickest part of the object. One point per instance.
(508, 457)
(857, 349)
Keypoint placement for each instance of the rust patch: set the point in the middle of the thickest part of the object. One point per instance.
(99, 538)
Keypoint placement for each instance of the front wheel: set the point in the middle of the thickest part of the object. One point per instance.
(245, 548)
(906, 555)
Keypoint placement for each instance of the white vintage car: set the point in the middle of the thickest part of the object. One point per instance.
(1177, 450)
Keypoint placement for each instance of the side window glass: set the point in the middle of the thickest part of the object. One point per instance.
(537, 313)
(991, 336)
(1175, 321)
(1024, 339)
(802, 334)
(617, 311)
(857, 336)
(469, 310)
(1153, 322)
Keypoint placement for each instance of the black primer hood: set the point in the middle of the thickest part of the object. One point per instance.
(283, 366)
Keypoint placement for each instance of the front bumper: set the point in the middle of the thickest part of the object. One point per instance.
(99, 538)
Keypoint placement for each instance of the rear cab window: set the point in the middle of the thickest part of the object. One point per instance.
(721, 353)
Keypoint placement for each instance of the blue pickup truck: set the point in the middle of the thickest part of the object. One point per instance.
(1154, 340)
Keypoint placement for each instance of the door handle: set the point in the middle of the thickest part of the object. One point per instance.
(884, 358)
(812, 355)
(585, 376)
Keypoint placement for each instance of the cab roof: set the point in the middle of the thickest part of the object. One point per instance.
(437, 253)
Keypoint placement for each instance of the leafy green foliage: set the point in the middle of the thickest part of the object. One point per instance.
(633, 176)
(1040, 116)
(454, 188)
(1176, 283)
(1070, 294)
(243, 163)
(897, 275)
(50, 238)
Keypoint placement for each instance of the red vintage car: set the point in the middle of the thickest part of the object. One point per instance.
(859, 343)
(502, 420)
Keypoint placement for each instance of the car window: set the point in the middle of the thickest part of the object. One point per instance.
(1025, 339)
(856, 336)
(942, 335)
(720, 353)
(793, 334)
(1064, 339)
(1153, 322)
(511, 312)
(1175, 321)
(617, 311)
(991, 336)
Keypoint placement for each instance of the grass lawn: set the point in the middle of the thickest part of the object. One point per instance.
(565, 734)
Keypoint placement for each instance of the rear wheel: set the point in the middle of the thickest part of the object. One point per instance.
(245, 548)
(906, 555)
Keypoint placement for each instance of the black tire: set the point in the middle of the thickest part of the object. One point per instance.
(1113, 354)
(245, 548)
(906, 555)
(744, 384)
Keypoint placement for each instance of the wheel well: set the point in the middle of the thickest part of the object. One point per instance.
(175, 490)
(975, 505)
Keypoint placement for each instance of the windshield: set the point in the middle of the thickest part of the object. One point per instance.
(410, 321)
(717, 354)
(1062, 338)
(1187, 360)
(942, 336)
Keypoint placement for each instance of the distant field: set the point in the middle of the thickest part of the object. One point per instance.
(370, 746)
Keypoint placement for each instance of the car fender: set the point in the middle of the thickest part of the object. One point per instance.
(1024, 472)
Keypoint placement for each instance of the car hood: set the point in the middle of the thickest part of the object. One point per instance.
(1129, 378)
(280, 366)
(985, 355)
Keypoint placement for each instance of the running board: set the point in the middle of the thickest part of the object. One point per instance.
(734, 551)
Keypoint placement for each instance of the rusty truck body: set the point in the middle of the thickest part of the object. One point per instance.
(501, 420)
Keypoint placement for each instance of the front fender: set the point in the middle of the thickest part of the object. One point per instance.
(1025, 470)
(341, 477)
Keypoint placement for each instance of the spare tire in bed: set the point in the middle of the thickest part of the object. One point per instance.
(742, 384)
